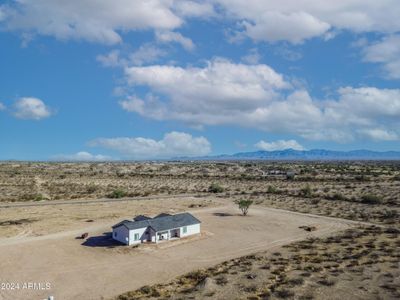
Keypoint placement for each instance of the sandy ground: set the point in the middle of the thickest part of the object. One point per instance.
(97, 268)
(43, 218)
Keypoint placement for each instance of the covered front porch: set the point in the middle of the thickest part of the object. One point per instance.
(167, 235)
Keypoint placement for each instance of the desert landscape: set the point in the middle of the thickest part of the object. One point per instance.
(199, 149)
(314, 231)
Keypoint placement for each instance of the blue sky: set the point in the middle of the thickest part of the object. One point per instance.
(95, 80)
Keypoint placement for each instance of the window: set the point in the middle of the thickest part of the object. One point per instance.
(115, 234)
(184, 229)
(136, 238)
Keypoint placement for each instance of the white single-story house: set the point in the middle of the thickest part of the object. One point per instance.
(160, 228)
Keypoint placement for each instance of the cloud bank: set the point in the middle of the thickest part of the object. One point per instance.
(104, 21)
(173, 144)
(387, 53)
(94, 21)
(82, 156)
(256, 96)
(279, 145)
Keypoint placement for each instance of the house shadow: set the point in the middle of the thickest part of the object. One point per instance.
(222, 214)
(105, 240)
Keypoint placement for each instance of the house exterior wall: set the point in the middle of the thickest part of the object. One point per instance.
(126, 236)
(191, 229)
(142, 235)
(121, 234)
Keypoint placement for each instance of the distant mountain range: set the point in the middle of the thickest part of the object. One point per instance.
(315, 154)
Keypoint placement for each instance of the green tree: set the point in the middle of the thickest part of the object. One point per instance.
(244, 205)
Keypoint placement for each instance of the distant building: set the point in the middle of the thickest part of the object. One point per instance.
(163, 227)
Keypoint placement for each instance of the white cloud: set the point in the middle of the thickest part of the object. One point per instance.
(252, 57)
(365, 105)
(173, 144)
(82, 156)
(387, 53)
(31, 109)
(111, 59)
(146, 53)
(2, 106)
(170, 36)
(96, 21)
(296, 21)
(255, 96)
(219, 85)
(194, 8)
(294, 27)
(378, 134)
(279, 145)
(287, 53)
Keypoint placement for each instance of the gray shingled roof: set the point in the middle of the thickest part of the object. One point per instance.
(161, 223)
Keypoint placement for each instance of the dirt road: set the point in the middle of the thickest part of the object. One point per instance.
(97, 268)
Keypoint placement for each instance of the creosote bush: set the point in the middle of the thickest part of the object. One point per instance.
(371, 199)
(118, 193)
(39, 197)
(215, 188)
(306, 191)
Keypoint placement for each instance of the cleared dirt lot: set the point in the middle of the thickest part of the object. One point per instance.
(18, 220)
(98, 269)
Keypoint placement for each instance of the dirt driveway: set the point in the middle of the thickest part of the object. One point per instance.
(68, 269)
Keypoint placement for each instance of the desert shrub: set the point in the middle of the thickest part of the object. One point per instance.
(149, 290)
(390, 214)
(272, 190)
(326, 282)
(215, 188)
(91, 189)
(39, 197)
(361, 178)
(145, 289)
(306, 191)
(307, 296)
(371, 199)
(118, 193)
(337, 196)
(290, 175)
(296, 281)
(221, 280)
(196, 276)
(284, 293)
